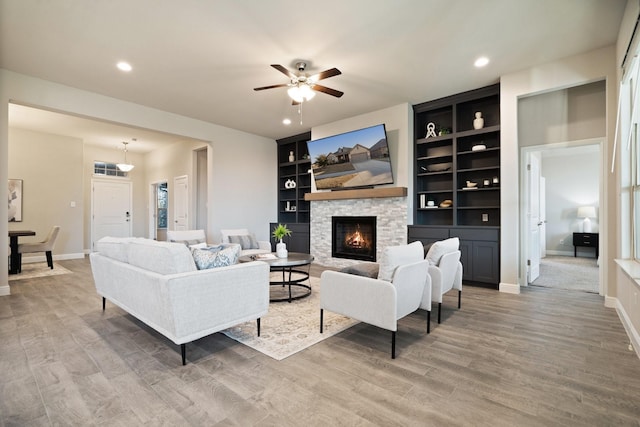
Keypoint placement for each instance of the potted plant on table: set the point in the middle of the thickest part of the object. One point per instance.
(279, 232)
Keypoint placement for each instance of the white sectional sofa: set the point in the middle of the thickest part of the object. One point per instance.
(159, 283)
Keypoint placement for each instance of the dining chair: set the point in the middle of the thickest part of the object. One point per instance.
(45, 246)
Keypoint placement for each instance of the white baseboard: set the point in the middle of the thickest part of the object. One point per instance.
(632, 333)
(509, 288)
(560, 253)
(59, 257)
(5, 290)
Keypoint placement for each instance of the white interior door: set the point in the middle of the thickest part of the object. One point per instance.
(533, 214)
(543, 217)
(110, 210)
(181, 203)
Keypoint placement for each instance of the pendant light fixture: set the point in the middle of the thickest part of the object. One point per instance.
(125, 167)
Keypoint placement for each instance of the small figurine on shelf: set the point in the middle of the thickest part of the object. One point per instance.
(291, 156)
(478, 122)
(431, 130)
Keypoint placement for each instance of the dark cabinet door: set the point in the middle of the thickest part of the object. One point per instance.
(466, 254)
(486, 262)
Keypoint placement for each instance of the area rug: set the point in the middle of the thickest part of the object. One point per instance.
(38, 269)
(290, 327)
(570, 273)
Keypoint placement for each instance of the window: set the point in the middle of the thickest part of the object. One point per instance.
(629, 162)
(107, 169)
(162, 202)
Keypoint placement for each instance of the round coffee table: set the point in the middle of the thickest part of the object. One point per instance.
(286, 265)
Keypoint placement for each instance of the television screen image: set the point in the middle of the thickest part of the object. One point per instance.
(354, 159)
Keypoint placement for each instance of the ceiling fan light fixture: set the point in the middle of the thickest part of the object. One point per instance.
(125, 167)
(301, 92)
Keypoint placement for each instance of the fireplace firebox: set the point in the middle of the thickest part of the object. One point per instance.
(353, 237)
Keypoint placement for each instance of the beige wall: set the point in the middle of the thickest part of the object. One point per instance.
(237, 160)
(51, 169)
(568, 72)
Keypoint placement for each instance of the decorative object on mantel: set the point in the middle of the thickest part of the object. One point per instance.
(288, 184)
(446, 203)
(15, 200)
(478, 122)
(279, 232)
(291, 156)
(431, 130)
(478, 147)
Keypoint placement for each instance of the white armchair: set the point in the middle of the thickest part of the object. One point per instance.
(402, 287)
(445, 270)
(247, 241)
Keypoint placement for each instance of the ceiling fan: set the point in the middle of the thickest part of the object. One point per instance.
(302, 86)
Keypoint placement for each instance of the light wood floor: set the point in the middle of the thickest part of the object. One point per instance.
(543, 358)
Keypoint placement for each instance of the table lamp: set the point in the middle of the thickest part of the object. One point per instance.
(586, 212)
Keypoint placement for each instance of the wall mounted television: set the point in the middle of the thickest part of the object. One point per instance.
(355, 159)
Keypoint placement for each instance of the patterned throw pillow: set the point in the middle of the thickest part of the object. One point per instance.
(246, 241)
(216, 256)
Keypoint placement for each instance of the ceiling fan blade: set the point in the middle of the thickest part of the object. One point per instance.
(328, 90)
(270, 87)
(284, 71)
(326, 74)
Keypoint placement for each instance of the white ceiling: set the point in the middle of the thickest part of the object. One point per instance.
(202, 59)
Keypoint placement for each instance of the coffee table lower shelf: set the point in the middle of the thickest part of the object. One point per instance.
(288, 284)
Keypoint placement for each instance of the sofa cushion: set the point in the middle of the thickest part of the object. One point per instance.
(247, 241)
(440, 248)
(393, 256)
(114, 247)
(216, 256)
(161, 257)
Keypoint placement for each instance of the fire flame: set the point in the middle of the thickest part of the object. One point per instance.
(356, 240)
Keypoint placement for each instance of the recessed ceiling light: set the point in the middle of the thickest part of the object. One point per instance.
(286, 122)
(124, 66)
(481, 62)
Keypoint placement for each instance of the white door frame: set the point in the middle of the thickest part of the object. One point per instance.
(602, 214)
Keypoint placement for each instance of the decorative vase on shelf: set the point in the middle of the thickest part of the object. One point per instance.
(478, 122)
(291, 156)
(281, 249)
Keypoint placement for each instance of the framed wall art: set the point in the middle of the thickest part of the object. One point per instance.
(15, 200)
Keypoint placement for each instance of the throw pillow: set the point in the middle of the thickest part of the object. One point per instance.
(195, 243)
(440, 248)
(363, 269)
(216, 256)
(393, 256)
(246, 241)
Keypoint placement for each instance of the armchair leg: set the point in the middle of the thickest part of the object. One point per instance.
(49, 259)
(459, 298)
(183, 350)
(439, 310)
(321, 313)
(258, 320)
(429, 321)
(393, 344)
(104, 301)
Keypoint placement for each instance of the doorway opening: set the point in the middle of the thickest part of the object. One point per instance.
(158, 214)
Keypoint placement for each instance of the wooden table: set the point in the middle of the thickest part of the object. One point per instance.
(14, 266)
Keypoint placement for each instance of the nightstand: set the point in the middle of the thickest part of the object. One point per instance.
(589, 240)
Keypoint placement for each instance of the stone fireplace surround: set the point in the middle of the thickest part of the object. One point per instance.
(391, 213)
